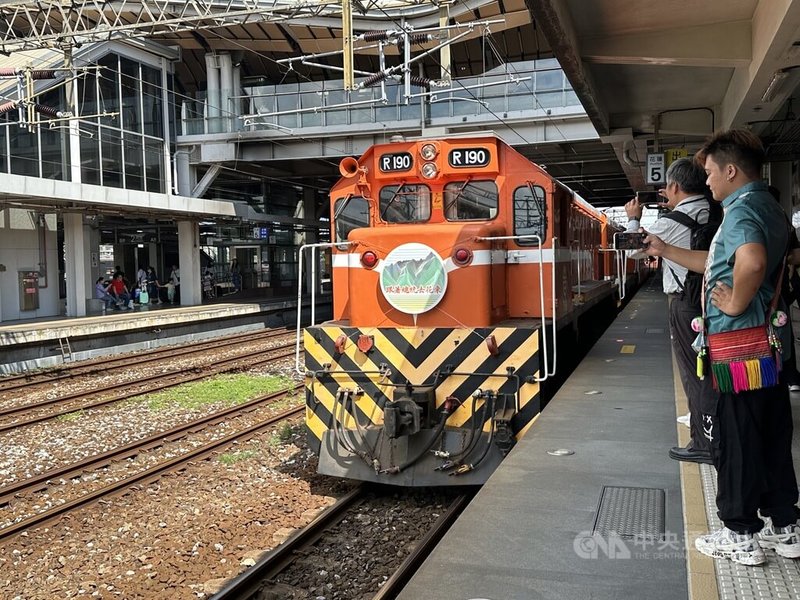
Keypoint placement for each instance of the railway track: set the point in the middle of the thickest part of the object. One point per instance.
(33, 484)
(257, 579)
(145, 476)
(103, 365)
(176, 378)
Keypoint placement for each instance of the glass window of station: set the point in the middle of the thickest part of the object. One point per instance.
(121, 130)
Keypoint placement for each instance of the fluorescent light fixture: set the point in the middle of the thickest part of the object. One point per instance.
(775, 84)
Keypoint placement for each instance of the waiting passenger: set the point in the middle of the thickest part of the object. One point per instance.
(685, 193)
(120, 291)
(751, 432)
(101, 293)
(153, 286)
(175, 280)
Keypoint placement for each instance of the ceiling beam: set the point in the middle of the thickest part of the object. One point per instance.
(720, 45)
(553, 19)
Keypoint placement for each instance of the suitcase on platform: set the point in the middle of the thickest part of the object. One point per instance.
(144, 297)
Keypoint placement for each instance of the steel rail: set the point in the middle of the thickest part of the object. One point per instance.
(248, 583)
(33, 484)
(423, 548)
(84, 367)
(144, 477)
(127, 394)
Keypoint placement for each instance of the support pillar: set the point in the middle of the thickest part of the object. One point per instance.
(212, 94)
(75, 265)
(226, 91)
(189, 262)
(308, 208)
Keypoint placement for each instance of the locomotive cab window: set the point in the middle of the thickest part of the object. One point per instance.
(530, 213)
(405, 203)
(350, 213)
(470, 200)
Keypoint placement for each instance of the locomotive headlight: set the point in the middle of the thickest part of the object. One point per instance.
(429, 170)
(428, 151)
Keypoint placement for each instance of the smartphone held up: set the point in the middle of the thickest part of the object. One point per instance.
(650, 199)
(629, 240)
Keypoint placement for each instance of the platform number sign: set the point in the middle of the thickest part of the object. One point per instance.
(469, 157)
(656, 171)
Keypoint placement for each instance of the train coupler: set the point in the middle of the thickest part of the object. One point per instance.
(503, 434)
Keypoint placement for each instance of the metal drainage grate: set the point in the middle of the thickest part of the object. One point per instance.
(630, 512)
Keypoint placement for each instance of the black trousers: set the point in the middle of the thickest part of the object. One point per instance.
(751, 439)
(699, 393)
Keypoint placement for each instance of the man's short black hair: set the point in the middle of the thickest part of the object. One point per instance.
(735, 146)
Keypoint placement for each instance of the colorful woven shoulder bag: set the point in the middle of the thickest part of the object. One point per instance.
(746, 359)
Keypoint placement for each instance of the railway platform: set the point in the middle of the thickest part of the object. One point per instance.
(48, 342)
(589, 505)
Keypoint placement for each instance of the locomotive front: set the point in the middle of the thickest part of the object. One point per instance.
(426, 376)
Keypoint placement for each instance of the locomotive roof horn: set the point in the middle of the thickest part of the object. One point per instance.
(348, 167)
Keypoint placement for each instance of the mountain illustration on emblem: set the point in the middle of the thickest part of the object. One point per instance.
(419, 272)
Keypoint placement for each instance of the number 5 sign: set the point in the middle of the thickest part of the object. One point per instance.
(655, 169)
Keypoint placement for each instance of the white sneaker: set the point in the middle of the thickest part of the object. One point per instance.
(742, 548)
(794, 388)
(685, 419)
(784, 540)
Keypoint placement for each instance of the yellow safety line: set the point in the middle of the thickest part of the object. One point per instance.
(700, 569)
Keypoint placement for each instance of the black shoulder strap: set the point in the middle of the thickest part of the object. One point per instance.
(675, 277)
(682, 218)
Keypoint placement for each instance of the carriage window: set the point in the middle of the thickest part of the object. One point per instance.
(350, 213)
(405, 203)
(470, 200)
(530, 213)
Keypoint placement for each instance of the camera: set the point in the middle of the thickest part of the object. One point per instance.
(629, 240)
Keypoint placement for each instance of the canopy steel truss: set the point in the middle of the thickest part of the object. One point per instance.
(58, 23)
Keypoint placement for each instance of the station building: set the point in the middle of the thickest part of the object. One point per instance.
(211, 149)
(207, 136)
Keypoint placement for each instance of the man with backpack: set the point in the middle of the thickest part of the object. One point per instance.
(691, 224)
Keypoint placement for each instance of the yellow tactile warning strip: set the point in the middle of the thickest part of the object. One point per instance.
(702, 576)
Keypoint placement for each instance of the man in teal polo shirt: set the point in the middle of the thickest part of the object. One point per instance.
(751, 432)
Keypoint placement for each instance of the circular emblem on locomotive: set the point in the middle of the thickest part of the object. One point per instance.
(413, 278)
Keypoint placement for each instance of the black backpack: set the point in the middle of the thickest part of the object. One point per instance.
(701, 236)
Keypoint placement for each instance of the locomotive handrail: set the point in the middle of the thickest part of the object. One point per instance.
(538, 240)
(313, 286)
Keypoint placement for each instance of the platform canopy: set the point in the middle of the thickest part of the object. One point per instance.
(658, 75)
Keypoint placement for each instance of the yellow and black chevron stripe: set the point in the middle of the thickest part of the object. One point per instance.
(454, 361)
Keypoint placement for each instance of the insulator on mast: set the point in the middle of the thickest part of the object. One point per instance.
(419, 38)
(373, 79)
(375, 36)
(7, 106)
(38, 74)
(420, 81)
(48, 111)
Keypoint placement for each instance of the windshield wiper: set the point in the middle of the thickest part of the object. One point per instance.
(342, 206)
(457, 196)
(392, 199)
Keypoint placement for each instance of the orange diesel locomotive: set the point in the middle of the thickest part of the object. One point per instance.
(456, 263)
